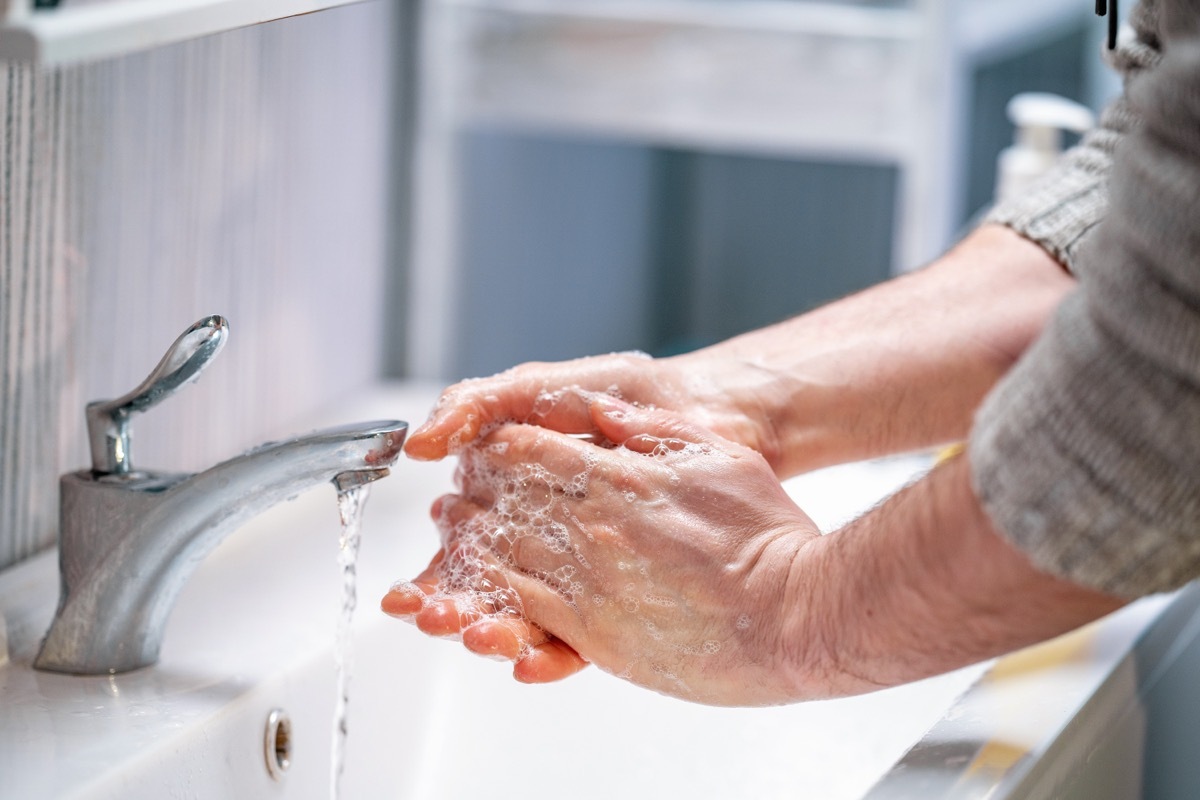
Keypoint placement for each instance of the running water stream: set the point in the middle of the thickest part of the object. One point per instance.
(350, 507)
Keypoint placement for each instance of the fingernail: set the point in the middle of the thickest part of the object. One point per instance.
(404, 599)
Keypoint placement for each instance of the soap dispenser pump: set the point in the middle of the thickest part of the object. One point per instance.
(1040, 120)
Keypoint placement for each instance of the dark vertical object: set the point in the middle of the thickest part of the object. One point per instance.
(1114, 20)
(555, 250)
(772, 237)
(404, 114)
(672, 250)
(8, 272)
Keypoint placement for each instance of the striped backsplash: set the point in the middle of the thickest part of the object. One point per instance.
(243, 174)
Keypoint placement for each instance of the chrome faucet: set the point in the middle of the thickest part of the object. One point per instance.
(129, 540)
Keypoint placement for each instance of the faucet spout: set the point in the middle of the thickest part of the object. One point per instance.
(129, 541)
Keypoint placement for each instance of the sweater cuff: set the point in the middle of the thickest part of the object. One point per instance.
(1060, 455)
(1065, 205)
(1058, 213)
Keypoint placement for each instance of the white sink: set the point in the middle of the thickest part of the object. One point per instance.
(254, 629)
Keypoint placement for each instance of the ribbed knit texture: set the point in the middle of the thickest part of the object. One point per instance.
(1087, 456)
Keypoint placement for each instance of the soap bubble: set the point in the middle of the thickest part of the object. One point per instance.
(528, 510)
(659, 601)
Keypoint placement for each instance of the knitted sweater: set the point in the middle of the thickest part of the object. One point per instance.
(1087, 455)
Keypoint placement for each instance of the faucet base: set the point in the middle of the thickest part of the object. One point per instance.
(128, 544)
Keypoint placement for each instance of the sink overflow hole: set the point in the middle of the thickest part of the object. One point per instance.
(278, 749)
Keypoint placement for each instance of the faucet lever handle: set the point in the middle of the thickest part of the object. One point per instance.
(108, 420)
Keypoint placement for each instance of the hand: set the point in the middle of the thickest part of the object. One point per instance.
(664, 560)
(496, 632)
(706, 582)
(707, 387)
(898, 367)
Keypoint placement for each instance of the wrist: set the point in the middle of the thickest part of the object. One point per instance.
(815, 635)
(920, 585)
(897, 367)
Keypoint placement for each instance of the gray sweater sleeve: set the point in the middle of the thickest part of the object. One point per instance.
(1087, 455)
(1066, 204)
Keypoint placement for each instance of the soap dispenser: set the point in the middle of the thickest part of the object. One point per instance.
(1040, 120)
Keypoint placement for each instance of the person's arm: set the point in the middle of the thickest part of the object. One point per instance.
(899, 366)
(900, 347)
(1088, 455)
(922, 585)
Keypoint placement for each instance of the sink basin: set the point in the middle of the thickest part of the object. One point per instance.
(254, 630)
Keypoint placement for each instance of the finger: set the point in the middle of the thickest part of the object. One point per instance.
(476, 477)
(435, 612)
(548, 662)
(546, 607)
(503, 637)
(455, 421)
(522, 394)
(408, 597)
(454, 509)
(646, 430)
(529, 452)
(446, 613)
(404, 599)
(439, 617)
(459, 519)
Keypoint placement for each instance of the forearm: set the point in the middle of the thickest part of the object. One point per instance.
(900, 366)
(871, 374)
(919, 586)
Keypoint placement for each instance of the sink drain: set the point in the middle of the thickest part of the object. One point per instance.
(278, 743)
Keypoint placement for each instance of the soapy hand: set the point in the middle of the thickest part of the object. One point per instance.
(713, 390)
(899, 367)
(666, 559)
(485, 629)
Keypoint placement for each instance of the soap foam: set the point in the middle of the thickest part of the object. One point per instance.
(529, 505)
